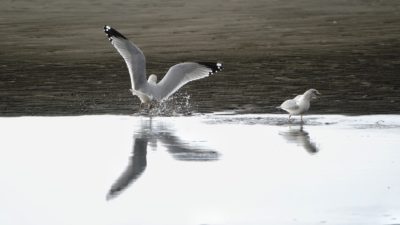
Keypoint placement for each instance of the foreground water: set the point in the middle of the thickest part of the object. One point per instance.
(203, 169)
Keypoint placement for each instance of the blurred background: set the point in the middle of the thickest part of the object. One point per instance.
(56, 60)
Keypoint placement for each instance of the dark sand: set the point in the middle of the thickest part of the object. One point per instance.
(55, 59)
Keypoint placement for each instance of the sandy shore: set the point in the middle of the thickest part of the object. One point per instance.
(55, 59)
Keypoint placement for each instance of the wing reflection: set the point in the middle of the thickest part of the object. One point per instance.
(300, 137)
(149, 135)
(182, 151)
(137, 164)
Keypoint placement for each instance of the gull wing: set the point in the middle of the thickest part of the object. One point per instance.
(182, 73)
(297, 98)
(132, 55)
(289, 105)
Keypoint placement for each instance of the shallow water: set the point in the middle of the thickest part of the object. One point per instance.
(202, 169)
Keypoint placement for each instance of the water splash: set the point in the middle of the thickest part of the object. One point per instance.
(176, 105)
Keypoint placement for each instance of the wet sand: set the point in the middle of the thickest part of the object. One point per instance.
(55, 59)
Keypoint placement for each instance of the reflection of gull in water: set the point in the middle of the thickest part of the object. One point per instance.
(300, 137)
(138, 162)
(148, 90)
(183, 151)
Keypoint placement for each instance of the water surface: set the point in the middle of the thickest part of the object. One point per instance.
(205, 169)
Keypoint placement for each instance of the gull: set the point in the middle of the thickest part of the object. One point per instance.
(149, 90)
(300, 104)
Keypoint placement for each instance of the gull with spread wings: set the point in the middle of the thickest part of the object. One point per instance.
(149, 90)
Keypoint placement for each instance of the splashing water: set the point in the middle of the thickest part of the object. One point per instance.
(177, 105)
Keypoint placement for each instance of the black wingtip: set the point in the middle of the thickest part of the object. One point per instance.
(111, 32)
(215, 67)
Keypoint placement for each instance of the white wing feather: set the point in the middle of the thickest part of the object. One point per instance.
(133, 56)
(289, 105)
(179, 75)
(297, 98)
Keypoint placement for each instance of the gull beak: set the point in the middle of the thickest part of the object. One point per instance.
(316, 95)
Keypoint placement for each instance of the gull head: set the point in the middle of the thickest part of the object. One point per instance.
(152, 79)
(312, 93)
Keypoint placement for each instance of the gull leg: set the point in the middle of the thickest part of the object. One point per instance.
(289, 117)
(150, 106)
(301, 116)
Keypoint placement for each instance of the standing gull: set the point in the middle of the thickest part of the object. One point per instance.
(300, 104)
(148, 90)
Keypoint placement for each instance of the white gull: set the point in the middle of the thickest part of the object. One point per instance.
(149, 90)
(300, 104)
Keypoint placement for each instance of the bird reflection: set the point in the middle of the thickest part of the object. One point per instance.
(137, 164)
(300, 137)
(183, 151)
(149, 135)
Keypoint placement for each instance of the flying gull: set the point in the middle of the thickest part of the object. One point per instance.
(149, 90)
(300, 104)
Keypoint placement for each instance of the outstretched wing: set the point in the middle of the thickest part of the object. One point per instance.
(132, 55)
(181, 74)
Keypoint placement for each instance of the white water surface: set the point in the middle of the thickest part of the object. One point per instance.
(203, 169)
